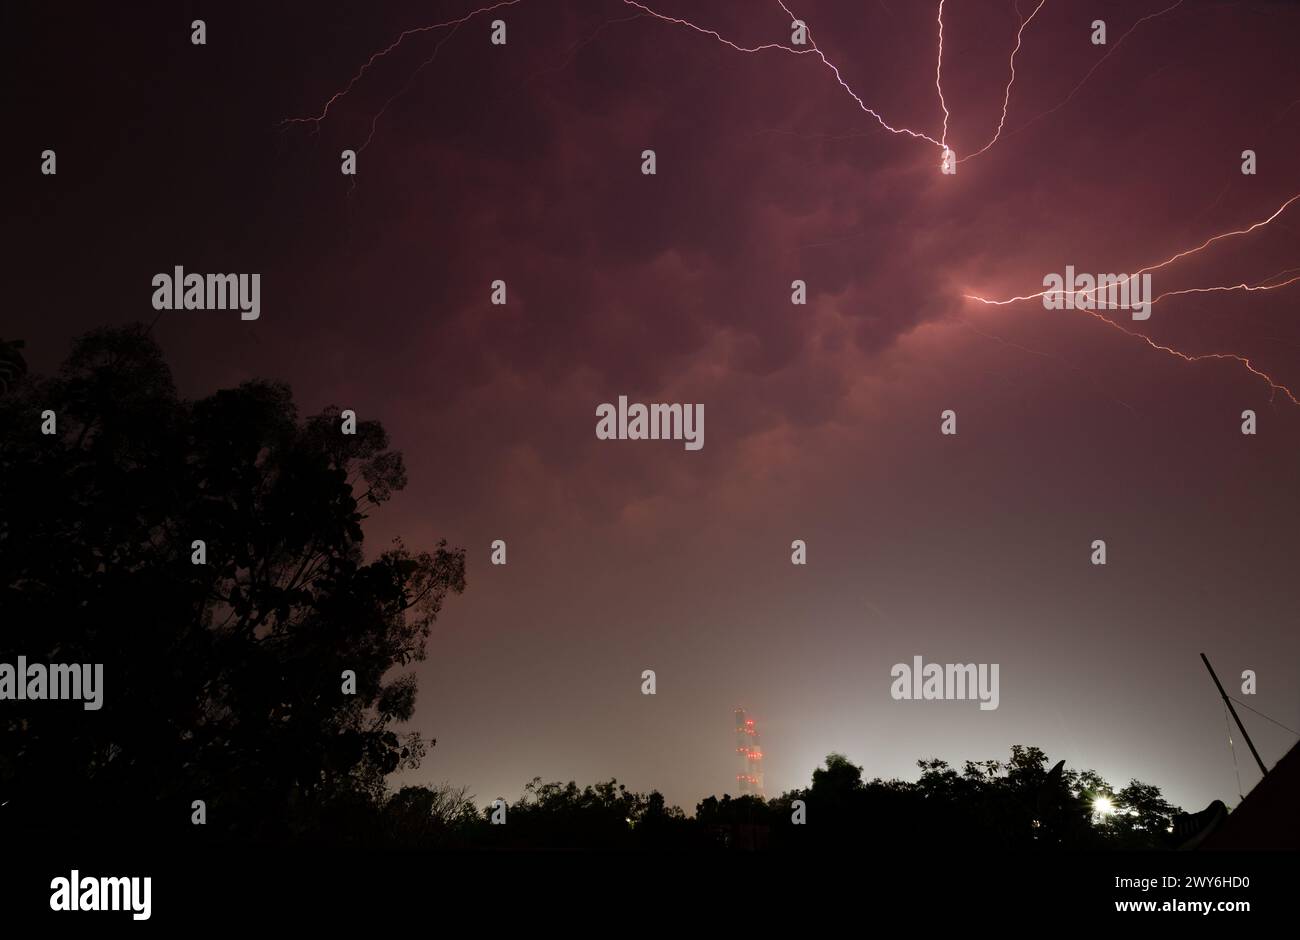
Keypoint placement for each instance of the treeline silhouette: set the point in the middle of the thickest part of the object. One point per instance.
(1019, 804)
(225, 664)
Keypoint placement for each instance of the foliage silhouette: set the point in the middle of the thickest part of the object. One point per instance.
(1016, 805)
(222, 681)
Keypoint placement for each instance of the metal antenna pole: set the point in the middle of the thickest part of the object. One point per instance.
(1227, 701)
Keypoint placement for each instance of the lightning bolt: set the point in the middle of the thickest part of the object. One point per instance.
(1274, 386)
(1006, 99)
(1154, 267)
(813, 49)
(938, 83)
(942, 143)
(374, 121)
(343, 92)
(1096, 65)
(317, 119)
(677, 21)
(1246, 287)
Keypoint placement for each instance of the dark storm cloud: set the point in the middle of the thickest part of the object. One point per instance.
(523, 163)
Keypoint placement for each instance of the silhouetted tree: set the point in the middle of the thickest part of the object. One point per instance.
(1142, 816)
(428, 817)
(1019, 804)
(222, 680)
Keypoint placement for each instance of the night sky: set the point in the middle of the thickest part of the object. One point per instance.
(522, 162)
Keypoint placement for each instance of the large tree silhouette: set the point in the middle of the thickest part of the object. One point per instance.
(222, 680)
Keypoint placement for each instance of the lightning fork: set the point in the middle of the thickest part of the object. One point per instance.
(316, 121)
(1006, 99)
(1274, 386)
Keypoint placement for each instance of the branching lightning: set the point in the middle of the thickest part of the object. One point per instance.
(813, 49)
(374, 121)
(316, 121)
(941, 142)
(1110, 51)
(1006, 99)
(1214, 290)
(1274, 386)
(938, 82)
(1154, 267)
(678, 21)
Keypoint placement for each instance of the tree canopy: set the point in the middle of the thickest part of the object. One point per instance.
(223, 679)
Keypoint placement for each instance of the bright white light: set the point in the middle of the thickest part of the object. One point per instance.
(1103, 806)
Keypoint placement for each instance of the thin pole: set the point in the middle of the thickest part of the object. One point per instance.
(1226, 701)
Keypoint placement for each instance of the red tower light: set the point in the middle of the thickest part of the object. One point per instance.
(750, 779)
